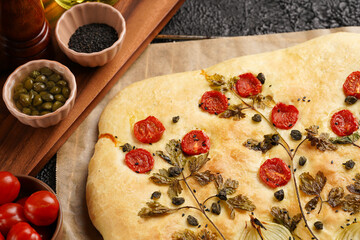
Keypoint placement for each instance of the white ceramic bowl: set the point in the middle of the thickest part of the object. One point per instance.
(18, 76)
(86, 13)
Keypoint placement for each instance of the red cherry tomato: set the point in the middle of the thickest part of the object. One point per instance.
(10, 214)
(214, 102)
(195, 142)
(1, 237)
(352, 85)
(344, 123)
(284, 116)
(9, 187)
(248, 85)
(149, 130)
(22, 201)
(275, 173)
(41, 208)
(22, 231)
(139, 160)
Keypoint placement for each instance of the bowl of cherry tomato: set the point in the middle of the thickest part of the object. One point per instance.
(29, 209)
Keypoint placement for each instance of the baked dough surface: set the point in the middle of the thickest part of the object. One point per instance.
(316, 69)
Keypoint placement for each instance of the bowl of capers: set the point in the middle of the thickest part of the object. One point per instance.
(40, 93)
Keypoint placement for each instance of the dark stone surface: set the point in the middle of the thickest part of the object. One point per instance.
(250, 17)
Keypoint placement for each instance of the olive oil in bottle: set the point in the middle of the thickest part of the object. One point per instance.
(69, 3)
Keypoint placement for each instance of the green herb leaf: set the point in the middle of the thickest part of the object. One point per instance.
(346, 139)
(176, 157)
(161, 178)
(184, 235)
(355, 187)
(229, 186)
(322, 141)
(205, 234)
(197, 162)
(175, 189)
(241, 202)
(217, 82)
(351, 203)
(335, 196)
(154, 209)
(270, 140)
(261, 101)
(311, 186)
(204, 178)
(281, 216)
(234, 112)
(311, 205)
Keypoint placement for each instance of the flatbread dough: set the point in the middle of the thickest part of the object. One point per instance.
(315, 69)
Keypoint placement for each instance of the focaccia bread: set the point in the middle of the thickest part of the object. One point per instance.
(309, 76)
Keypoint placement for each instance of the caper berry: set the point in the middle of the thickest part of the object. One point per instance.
(37, 101)
(62, 83)
(41, 78)
(302, 160)
(32, 94)
(279, 195)
(192, 221)
(349, 164)
(18, 87)
(18, 105)
(47, 96)
(46, 71)
(222, 195)
(319, 225)
(66, 92)
(50, 85)
(26, 111)
(25, 100)
(55, 90)
(59, 97)
(177, 200)
(174, 171)
(44, 112)
(350, 100)
(57, 105)
(216, 208)
(47, 106)
(296, 135)
(256, 118)
(29, 83)
(156, 195)
(175, 119)
(35, 74)
(261, 78)
(39, 86)
(55, 77)
(35, 113)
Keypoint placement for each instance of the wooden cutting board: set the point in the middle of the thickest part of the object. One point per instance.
(25, 150)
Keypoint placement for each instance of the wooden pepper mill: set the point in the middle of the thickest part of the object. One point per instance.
(24, 32)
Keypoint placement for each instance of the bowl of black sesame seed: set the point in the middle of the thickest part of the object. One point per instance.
(91, 33)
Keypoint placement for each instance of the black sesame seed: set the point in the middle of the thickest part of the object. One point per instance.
(299, 99)
(332, 161)
(183, 214)
(136, 163)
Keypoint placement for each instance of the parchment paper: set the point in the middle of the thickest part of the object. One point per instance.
(157, 59)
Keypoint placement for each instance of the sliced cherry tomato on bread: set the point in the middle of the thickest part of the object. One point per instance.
(351, 86)
(344, 123)
(23, 231)
(195, 142)
(275, 173)
(284, 116)
(214, 102)
(10, 214)
(248, 85)
(9, 187)
(139, 160)
(149, 130)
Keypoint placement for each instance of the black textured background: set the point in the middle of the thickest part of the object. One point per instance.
(250, 17)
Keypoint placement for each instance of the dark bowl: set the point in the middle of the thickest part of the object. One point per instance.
(30, 185)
